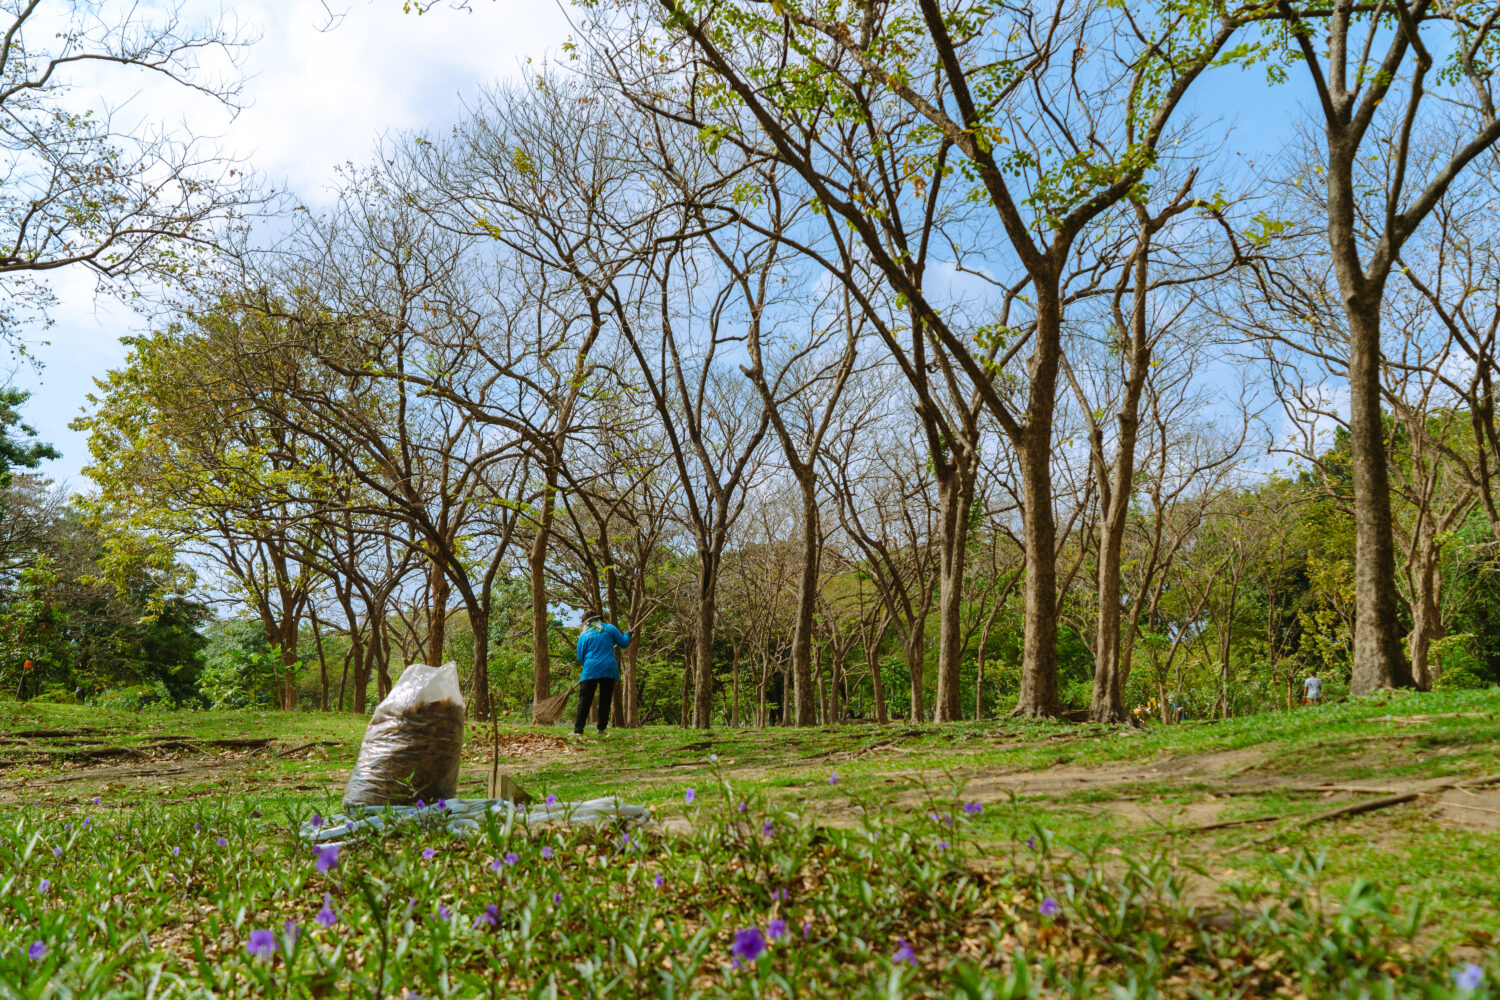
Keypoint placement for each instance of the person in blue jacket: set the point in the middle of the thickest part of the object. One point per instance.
(596, 651)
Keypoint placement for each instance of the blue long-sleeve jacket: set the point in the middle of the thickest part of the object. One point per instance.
(596, 651)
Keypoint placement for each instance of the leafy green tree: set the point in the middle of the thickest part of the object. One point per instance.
(16, 447)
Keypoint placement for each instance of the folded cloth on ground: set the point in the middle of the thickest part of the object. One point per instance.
(462, 817)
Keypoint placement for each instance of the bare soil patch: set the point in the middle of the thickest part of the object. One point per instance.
(987, 786)
(1166, 814)
(538, 747)
(1477, 808)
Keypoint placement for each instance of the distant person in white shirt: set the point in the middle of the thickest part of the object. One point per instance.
(1312, 690)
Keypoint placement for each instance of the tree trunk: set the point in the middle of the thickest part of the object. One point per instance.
(1108, 702)
(788, 716)
(536, 562)
(437, 614)
(872, 660)
(979, 680)
(734, 673)
(322, 661)
(835, 713)
(288, 661)
(344, 675)
(760, 696)
(703, 659)
(1426, 618)
(617, 702)
(955, 498)
(380, 658)
(1038, 694)
(822, 699)
(689, 654)
(915, 666)
(1378, 662)
(362, 663)
(479, 622)
(807, 595)
(632, 704)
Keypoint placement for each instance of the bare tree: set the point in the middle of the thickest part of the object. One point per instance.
(868, 168)
(888, 512)
(89, 187)
(1376, 89)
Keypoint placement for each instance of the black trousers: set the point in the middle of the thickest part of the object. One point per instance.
(606, 688)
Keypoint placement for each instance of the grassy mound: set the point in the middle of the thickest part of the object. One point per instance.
(216, 897)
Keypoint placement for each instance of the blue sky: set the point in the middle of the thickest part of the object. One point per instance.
(319, 98)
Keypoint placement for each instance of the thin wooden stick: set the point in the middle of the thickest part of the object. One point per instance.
(1357, 807)
(1349, 810)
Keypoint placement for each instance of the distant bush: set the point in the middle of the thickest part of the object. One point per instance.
(138, 698)
(1458, 678)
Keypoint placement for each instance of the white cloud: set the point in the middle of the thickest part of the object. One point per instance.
(316, 99)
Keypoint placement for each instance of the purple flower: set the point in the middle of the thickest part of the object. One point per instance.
(87, 822)
(443, 913)
(1050, 907)
(806, 930)
(176, 851)
(429, 854)
(328, 857)
(943, 845)
(743, 806)
(96, 800)
(692, 793)
(316, 821)
(1031, 842)
(222, 842)
(1470, 977)
(658, 880)
(624, 841)
(904, 952)
(57, 852)
(749, 944)
(326, 916)
(489, 918)
(556, 898)
(768, 829)
(776, 929)
(290, 932)
(973, 808)
(421, 804)
(43, 886)
(262, 944)
(551, 800)
(37, 951)
(833, 779)
(442, 805)
(196, 826)
(512, 857)
(547, 853)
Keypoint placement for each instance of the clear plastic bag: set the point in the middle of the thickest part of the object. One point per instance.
(411, 750)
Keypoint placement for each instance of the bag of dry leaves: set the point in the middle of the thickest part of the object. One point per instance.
(411, 749)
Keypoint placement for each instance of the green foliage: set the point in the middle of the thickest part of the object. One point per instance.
(16, 448)
(241, 669)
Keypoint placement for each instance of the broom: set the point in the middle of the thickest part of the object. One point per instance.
(549, 710)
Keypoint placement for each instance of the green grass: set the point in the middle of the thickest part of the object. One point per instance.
(1386, 903)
